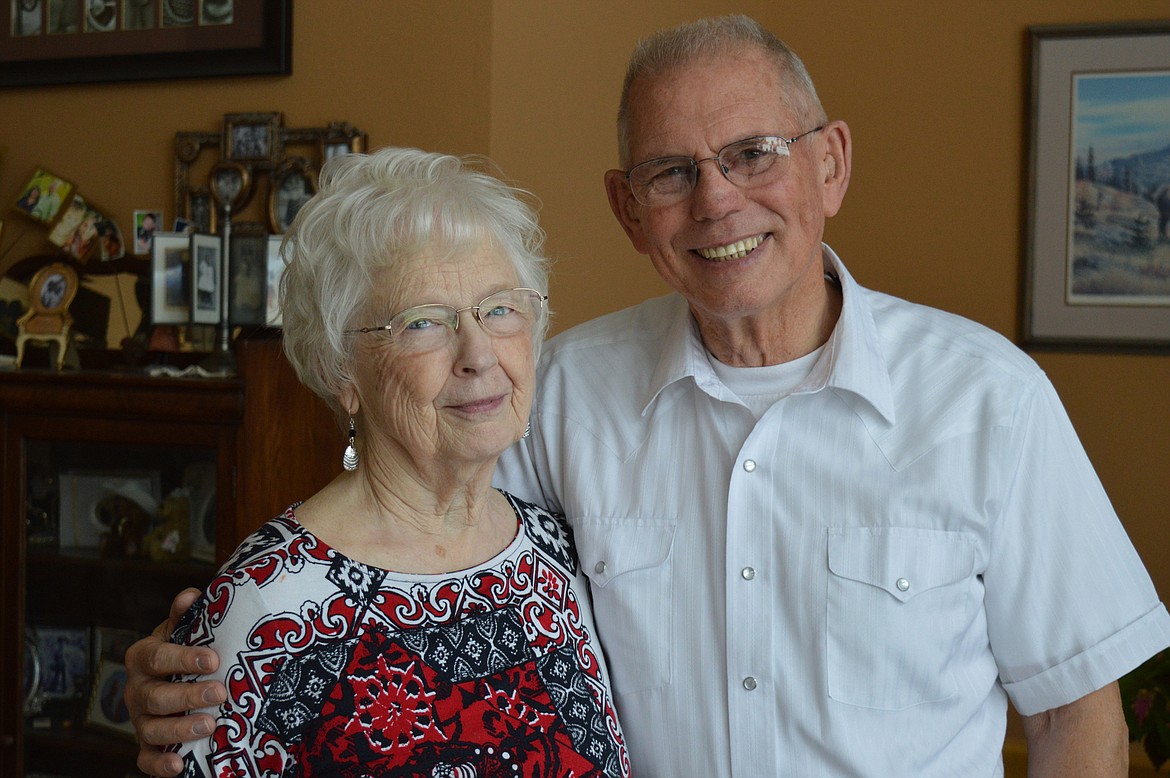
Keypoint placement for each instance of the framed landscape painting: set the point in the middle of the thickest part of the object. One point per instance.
(1098, 224)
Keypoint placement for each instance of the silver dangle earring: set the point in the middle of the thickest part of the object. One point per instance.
(350, 460)
(527, 430)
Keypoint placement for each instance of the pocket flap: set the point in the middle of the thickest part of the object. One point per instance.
(609, 548)
(903, 561)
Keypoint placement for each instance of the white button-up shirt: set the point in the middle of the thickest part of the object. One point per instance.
(856, 582)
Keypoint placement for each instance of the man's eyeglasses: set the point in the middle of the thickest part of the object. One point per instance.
(433, 326)
(747, 163)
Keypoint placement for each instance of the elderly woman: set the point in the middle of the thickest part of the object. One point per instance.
(409, 619)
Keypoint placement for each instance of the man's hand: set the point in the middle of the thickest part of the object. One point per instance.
(153, 700)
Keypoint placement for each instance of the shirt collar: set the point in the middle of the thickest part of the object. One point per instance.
(851, 363)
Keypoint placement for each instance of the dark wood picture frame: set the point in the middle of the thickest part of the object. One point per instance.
(1095, 264)
(257, 41)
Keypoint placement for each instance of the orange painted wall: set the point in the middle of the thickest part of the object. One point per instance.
(935, 94)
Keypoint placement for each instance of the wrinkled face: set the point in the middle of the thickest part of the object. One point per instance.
(731, 252)
(464, 402)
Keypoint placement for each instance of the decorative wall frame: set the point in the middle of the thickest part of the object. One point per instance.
(1097, 252)
(308, 143)
(199, 210)
(135, 41)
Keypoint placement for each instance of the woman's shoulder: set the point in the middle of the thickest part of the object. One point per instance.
(548, 531)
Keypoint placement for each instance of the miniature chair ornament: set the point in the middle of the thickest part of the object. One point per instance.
(51, 291)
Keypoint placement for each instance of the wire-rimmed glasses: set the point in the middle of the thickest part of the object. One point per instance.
(433, 325)
(746, 163)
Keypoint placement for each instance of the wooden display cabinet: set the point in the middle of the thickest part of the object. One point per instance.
(263, 438)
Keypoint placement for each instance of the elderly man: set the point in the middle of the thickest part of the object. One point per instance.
(828, 532)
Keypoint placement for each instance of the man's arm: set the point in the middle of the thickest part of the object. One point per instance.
(153, 700)
(1087, 737)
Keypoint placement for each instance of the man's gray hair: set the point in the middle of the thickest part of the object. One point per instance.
(717, 36)
(372, 212)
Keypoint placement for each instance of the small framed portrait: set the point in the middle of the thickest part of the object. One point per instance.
(292, 186)
(107, 708)
(275, 265)
(252, 137)
(64, 660)
(169, 260)
(42, 198)
(199, 210)
(248, 278)
(206, 284)
(111, 643)
(341, 138)
(231, 185)
(53, 288)
(110, 243)
(101, 15)
(146, 224)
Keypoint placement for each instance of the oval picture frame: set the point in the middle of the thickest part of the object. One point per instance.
(293, 184)
(53, 288)
(231, 184)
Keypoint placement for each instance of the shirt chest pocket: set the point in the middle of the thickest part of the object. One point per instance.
(628, 563)
(897, 603)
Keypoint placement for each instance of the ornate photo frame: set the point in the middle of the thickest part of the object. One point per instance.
(231, 184)
(292, 186)
(252, 137)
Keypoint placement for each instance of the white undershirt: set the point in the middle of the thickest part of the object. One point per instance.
(761, 387)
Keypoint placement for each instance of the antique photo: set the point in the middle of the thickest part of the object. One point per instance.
(199, 211)
(107, 708)
(231, 185)
(275, 264)
(252, 137)
(206, 289)
(294, 184)
(170, 257)
(246, 292)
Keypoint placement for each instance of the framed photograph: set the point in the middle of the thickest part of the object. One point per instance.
(69, 41)
(252, 137)
(52, 288)
(1097, 254)
(111, 643)
(111, 246)
(92, 501)
(64, 661)
(76, 232)
(170, 257)
(146, 224)
(341, 138)
(206, 286)
(42, 197)
(107, 708)
(199, 210)
(275, 264)
(248, 278)
(292, 186)
(231, 185)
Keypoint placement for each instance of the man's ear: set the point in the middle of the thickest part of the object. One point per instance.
(625, 207)
(836, 165)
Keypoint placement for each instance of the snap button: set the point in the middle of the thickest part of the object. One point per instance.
(749, 465)
(902, 584)
(749, 683)
(748, 573)
(599, 568)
